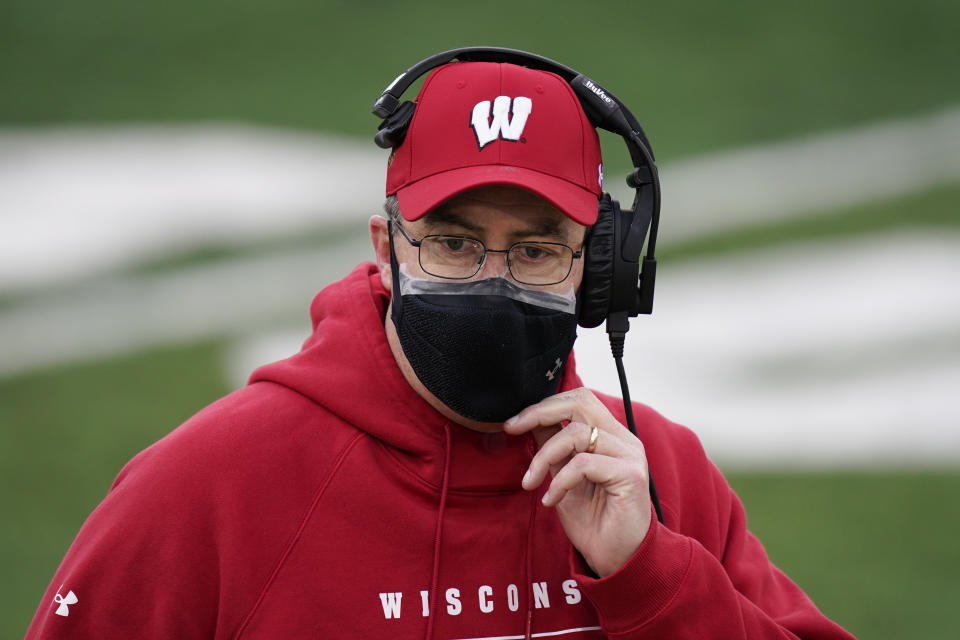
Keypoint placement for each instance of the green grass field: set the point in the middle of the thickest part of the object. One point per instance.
(876, 549)
(699, 75)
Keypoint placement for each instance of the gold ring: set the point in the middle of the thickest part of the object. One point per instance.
(594, 436)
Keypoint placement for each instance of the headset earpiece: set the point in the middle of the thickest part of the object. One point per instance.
(611, 264)
(598, 259)
(393, 129)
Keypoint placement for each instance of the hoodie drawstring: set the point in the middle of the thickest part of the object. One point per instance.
(444, 488)
(528, 568)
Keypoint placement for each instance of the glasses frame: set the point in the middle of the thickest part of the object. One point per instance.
(576, 255)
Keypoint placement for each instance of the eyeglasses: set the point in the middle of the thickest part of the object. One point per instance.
(462, 257)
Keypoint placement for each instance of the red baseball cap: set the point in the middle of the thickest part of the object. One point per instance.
(482, 123)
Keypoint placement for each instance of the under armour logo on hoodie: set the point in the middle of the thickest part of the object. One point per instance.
(509, 118)
(64, 602)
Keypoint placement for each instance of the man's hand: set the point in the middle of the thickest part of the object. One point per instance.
(602, 497)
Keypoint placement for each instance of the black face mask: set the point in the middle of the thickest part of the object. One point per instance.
(486, 348)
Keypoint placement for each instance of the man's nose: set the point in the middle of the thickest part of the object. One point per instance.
(494, 265)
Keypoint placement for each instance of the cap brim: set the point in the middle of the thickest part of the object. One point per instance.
(418, 198)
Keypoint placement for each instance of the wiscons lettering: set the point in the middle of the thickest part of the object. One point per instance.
(486, 599)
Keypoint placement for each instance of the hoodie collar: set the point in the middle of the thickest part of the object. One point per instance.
(346, 366)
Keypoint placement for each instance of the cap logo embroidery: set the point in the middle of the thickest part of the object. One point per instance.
(509, 118)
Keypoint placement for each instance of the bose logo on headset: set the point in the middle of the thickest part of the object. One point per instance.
(600, 93)
(502, 124)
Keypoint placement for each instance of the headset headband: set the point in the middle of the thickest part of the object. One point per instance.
(604, 111)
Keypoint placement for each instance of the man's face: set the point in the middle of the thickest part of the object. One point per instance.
(498, 216)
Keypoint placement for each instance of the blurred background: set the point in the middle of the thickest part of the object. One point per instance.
(178, 179)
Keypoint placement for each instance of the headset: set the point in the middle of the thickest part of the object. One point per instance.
(614, 287)
(617, 284)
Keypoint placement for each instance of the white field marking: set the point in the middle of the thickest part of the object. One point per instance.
(117, 315)
(82, 201)
(827, 355)
(841, 353)
(824, 171)
(899, 402)
(76, 202)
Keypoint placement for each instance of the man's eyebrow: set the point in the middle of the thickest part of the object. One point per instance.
(443, 215)
(544, 227)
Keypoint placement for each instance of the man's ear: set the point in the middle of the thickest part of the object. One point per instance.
(380, 237)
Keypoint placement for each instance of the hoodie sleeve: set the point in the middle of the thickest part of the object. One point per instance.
(142, 566)
(704, 575)
(194, 526)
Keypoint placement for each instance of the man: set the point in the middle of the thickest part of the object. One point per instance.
(429, 465)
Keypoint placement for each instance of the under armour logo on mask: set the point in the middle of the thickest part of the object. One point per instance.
(64, 602)
(553, 372)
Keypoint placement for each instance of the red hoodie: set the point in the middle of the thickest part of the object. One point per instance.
(327, 499)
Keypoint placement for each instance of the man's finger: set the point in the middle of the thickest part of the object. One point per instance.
(563, 407)
(573, 439)
(584, 467)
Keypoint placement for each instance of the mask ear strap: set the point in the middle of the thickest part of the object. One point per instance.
(394, 271)
(393, 254)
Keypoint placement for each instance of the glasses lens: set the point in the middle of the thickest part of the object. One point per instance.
(540, 262)
(451, 256)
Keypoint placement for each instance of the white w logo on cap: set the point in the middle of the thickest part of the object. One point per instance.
(488, 129)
